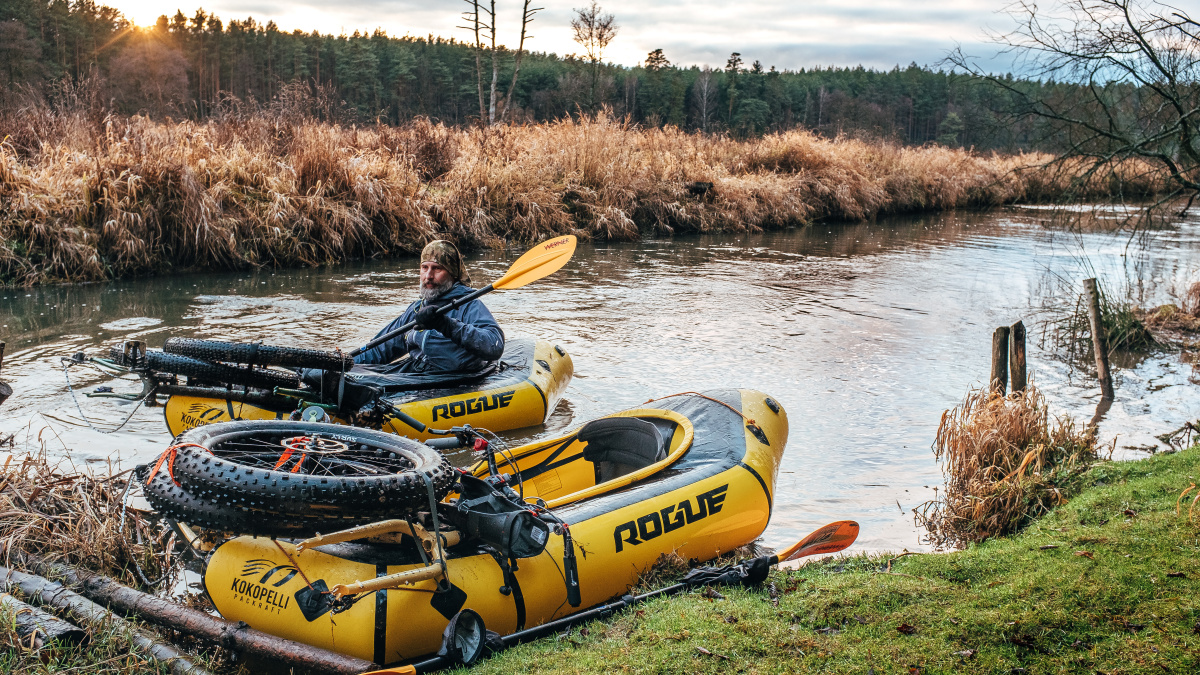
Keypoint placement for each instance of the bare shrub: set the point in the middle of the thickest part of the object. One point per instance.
(1005, 463)
(433, 147)
(1069, 334)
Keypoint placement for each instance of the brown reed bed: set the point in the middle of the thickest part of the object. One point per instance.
(1006, 462)
(58, 513)
(86, 196)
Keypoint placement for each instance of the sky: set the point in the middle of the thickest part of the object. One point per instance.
(786, 34)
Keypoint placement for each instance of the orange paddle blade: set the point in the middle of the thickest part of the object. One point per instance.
(831, 538)
(540, 261)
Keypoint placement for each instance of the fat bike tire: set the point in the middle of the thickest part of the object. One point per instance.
(259, 355)
(259, 378)
(217, 511)
(378, 475)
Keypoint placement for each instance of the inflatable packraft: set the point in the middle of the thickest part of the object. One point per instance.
(519, 390)
(692, 474)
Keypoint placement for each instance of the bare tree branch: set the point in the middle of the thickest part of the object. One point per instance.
(1130, 83)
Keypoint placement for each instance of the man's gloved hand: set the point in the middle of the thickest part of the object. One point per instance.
(428, 319)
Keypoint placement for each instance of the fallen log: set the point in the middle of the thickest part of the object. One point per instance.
(236, 636)
(37, 629)
(56, 595)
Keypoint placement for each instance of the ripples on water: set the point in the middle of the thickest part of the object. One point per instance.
(865, 333)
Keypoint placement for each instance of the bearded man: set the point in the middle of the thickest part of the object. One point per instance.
(464, 339)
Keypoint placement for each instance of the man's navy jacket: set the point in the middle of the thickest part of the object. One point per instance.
(474, 340)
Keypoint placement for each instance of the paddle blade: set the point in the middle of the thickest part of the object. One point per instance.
(831, 538)
(540, 261)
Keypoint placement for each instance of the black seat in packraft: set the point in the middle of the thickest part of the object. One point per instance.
(621, 445)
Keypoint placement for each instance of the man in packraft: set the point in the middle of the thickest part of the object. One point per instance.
(463, 339)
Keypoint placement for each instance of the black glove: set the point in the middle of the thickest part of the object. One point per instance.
(428, 319)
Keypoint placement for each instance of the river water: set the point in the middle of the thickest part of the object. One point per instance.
(864, 333)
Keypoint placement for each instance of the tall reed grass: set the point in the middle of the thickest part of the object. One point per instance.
(85, 196)
(1005, 463)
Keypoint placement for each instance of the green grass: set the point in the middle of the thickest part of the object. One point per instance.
(1005, 606)
(107, 651)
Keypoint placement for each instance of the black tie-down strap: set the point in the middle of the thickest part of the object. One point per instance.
(746, 573)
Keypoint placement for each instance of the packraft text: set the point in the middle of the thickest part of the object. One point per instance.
(670, 518)
(471, 406)
(260, 596)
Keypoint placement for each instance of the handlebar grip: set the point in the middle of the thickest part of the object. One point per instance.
(400, 415)
(451, 443)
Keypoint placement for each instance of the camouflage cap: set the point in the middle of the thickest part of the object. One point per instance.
(446, 254)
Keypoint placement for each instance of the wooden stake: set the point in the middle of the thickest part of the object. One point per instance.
(1099, 340)
(1016, 357)
(999, 380)
(5, 390)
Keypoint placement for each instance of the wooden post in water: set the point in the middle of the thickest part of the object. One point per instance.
(999, 380)
(5, 390)
(1016, 357)
(1099, 340)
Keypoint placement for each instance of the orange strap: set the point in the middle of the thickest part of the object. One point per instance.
(168, 457)
(290, 450)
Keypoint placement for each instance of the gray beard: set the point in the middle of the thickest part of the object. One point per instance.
(431, 294)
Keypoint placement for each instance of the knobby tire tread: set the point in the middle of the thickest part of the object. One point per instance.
(375, 497)
(217, 372)
(220, 511)
(259, 355)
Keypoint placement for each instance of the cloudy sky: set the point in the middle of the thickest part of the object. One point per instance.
(786, 34)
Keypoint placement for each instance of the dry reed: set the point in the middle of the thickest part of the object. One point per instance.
(1005, 463)
(87, 197)
(1191, 300)
(73, 517)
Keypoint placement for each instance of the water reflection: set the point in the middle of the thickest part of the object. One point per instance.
(865, 333)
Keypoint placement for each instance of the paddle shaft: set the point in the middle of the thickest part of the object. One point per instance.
(813, 543)
(598, 612)
(601, 611)
(457, 302)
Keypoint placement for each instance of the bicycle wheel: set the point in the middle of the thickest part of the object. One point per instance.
(261, 378)
(259, 355)
(221, 511)
(304, 467)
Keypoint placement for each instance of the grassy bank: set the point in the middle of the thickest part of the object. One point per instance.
(85, 198)
(1105, 584)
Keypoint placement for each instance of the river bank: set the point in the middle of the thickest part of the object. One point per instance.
(85, 198)
(1106, 583)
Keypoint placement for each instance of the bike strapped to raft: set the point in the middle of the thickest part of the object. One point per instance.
(299, 479)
